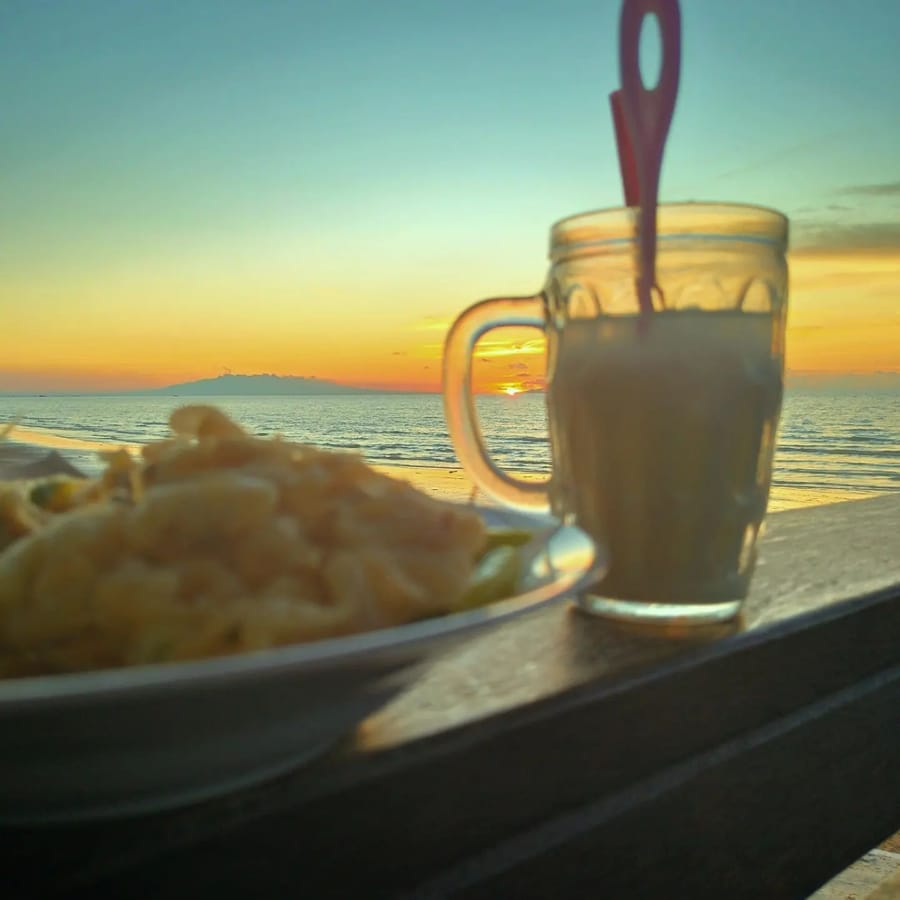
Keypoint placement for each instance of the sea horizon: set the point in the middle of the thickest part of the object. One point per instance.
(308, 385)
(831, 446)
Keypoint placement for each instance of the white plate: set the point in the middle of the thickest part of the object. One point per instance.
(134, 740)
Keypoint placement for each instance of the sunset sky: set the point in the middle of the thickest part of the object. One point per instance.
(190, 187)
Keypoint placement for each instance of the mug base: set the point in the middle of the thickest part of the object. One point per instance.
(660, 613)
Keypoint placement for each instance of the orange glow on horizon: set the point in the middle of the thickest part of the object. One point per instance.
(844, 316)
(844, 313)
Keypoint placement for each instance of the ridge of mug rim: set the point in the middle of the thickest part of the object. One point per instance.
(587, 228)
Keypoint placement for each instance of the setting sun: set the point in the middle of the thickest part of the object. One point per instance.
(511, 391)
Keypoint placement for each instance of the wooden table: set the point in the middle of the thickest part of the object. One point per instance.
(564, 756)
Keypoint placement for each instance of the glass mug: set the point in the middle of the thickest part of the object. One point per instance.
(662, 425)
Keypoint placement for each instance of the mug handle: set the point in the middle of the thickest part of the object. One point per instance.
(459, 401)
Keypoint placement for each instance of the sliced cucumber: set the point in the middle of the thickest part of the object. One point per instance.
(512, 537)
(495, 577)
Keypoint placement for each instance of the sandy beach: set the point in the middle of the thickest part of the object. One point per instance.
(30, 452)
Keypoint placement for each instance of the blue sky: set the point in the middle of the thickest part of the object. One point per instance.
(143, 139)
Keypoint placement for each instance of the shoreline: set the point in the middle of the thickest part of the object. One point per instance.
(27, 446)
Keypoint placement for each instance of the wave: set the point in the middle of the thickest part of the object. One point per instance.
(832, 451)
(830, 443)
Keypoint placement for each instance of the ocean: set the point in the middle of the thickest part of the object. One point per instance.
(831, 446)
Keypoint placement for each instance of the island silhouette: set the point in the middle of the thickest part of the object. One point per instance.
(255, 385)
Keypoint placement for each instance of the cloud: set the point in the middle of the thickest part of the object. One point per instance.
(494, 348)
(432, 323)
(399, 353)
(429, 351)
(868, 275)
(833, 237)
(804, 149)
(885, 189)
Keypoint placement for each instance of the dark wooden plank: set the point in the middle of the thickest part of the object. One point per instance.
(715, 830)
(444, 773)
(771, 813)
(438, 798)
(809, 559)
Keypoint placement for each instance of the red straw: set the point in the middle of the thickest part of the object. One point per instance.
(627, 163)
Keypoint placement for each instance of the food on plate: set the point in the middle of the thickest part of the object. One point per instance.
(496, 575)
(215, 541)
